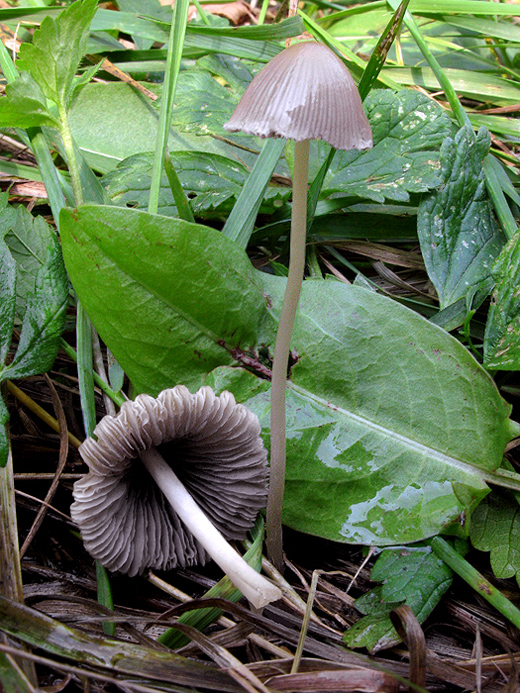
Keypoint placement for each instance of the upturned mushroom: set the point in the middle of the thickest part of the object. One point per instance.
(304, 93)
(171, 480)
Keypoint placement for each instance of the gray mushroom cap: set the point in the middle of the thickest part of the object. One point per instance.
(305, 92)
(214, 447)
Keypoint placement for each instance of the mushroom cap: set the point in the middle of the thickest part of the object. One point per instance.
(305, 92)
(214, 447)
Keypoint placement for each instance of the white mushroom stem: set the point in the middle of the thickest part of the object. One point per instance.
(253, 586)
(281, 353)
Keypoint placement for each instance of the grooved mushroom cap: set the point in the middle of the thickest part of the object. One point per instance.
(214, 447)
(305, 92)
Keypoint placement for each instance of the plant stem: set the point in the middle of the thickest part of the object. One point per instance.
(281, 354)
(68, 145)
(475, 580)
(116, 397)
(254, 586)
(173, 63)
(39, 411)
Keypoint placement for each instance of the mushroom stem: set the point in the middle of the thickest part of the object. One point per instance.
(281, 353)
(254, 586)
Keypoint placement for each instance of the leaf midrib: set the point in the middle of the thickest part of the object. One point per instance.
(428, 451)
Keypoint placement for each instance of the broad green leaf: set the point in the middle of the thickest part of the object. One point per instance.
(212, 183)
(459, 236)
(30, 241)
(502, 336)
(129, 122)
(7, 299)
(203, 318)
(495, 527)
(43, 320)
(392, 425)
(32, 274)
(415, 577)
(56, 50)
(24, 105)
(408, 129)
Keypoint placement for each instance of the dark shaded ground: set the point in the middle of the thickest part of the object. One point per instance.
(468, 645)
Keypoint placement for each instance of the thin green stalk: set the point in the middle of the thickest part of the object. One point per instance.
(116, 397)
(281, 354)
(179, 196)
(68, 145)
(173, 63)
(263, 12)
(446, 86)
(7, 64)
(202, 13)
(48, 171)
(84, 367)
(240, 223)
(475, 580)
(104, 596)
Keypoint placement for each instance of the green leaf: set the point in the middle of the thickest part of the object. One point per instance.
(392, 425)
(157, 291)
(502, 336)
(56, 50)
(24, 105)
(30, 241)
(34, 287)
(408, 129)
(212, 183)
(7, 299)
(459, 236)
(415, 577)
(495, 527)
(12, 677)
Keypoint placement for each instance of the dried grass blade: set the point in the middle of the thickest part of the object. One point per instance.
(64, 448)
(224, 659)
(56, 638)
(409, 629)
(362, 680)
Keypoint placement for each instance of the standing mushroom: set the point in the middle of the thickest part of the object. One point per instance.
(304, 93)
(169, 479)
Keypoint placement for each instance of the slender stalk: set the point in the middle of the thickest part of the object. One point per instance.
(254, 586)
(475, 580)
(39, 411)
(72, 162)
(173, 63)
(116, 397)
(281, 354)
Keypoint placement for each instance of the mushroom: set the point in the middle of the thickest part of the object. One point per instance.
(169, 479)
(304, 93)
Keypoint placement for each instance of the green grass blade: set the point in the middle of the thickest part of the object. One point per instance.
(475, 580)
(378, 57)
(48, 171)
(492, 169)
(84, 365)
(449, 91)
(104, 596)
(201, 618)
(240, 223)
(181, 201)
(173, 62)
